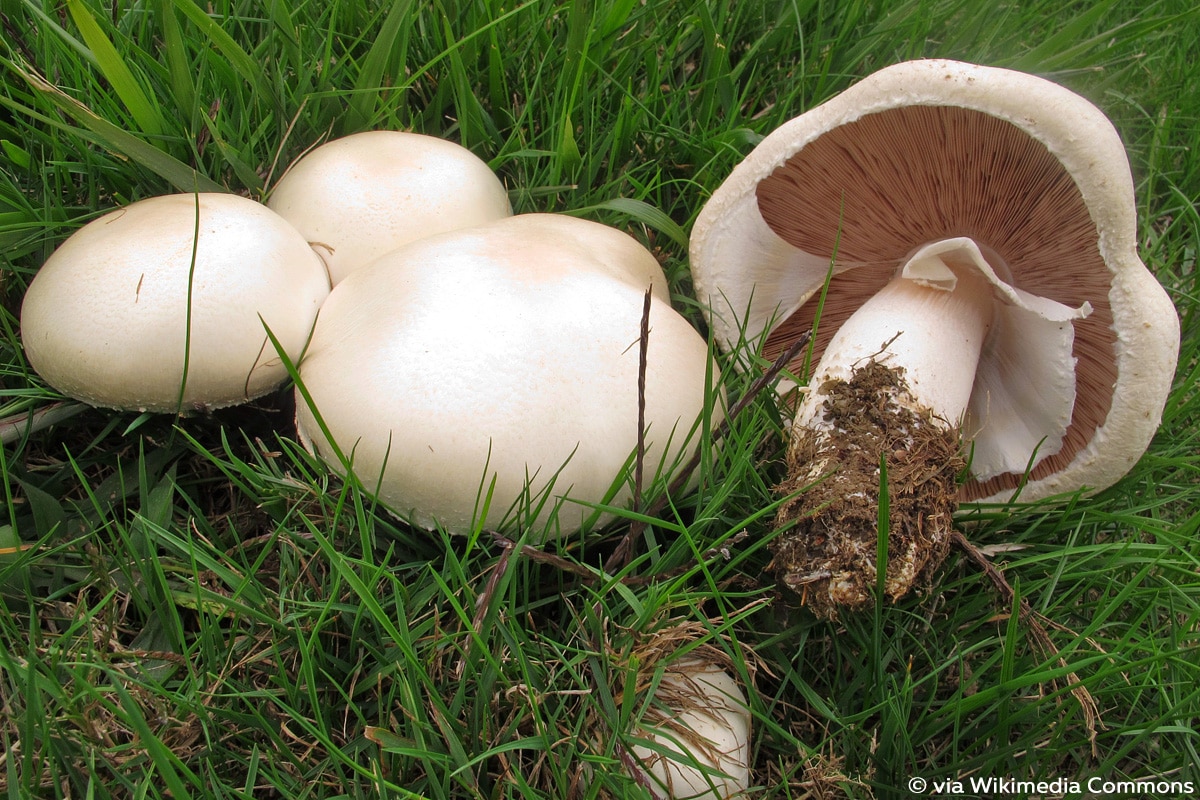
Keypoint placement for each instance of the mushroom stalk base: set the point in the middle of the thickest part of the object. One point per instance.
(887, 399)
(828, 555)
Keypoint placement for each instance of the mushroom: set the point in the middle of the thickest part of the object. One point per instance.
(360, 196)
(695, 740)
(963, 238)
(164, 305)
(489, 376)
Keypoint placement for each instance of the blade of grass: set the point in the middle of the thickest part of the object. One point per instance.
(250, 70)
(390, 45)
(108, 135)
(642, 212)
(116, 71)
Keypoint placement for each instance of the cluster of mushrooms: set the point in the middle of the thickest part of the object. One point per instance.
(464, 362)
(961, 239)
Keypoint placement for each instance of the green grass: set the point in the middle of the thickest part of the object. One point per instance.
(195, 607)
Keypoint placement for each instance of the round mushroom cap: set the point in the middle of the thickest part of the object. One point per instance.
(702, 751)
(927, 151)
(363, 195)
(471, 376)
(129, 299)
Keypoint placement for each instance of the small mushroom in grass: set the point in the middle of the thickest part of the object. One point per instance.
(168, 286)
(363, 195)
(986, 301)
(695, 739)
(468, 374)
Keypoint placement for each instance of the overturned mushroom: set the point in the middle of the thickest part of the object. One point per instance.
(489, 376)
(977, 230)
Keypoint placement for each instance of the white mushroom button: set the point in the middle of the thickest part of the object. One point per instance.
(471, 377)
(1046, 339)
(168, 287)
(695, 739)
(360, 196)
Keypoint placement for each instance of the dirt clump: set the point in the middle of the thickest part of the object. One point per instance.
(829, 551)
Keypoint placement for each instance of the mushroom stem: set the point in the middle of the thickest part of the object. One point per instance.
(930, 321)
(894, 384)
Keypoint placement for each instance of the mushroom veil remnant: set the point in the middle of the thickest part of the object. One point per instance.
(963, 238)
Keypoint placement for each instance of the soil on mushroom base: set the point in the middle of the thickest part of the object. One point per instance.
(828, 554)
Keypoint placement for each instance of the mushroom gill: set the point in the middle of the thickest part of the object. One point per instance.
(874, 189)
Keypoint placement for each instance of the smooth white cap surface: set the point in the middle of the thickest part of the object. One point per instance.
(363, 195)
(507, 353)
(702, 751)
(105, 320)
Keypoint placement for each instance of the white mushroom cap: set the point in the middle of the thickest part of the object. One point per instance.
(702, 750)
(105, 320)
(363, 195)
(505, 352)
(928, 151)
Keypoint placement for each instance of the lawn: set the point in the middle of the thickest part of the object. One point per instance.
(196, 607)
